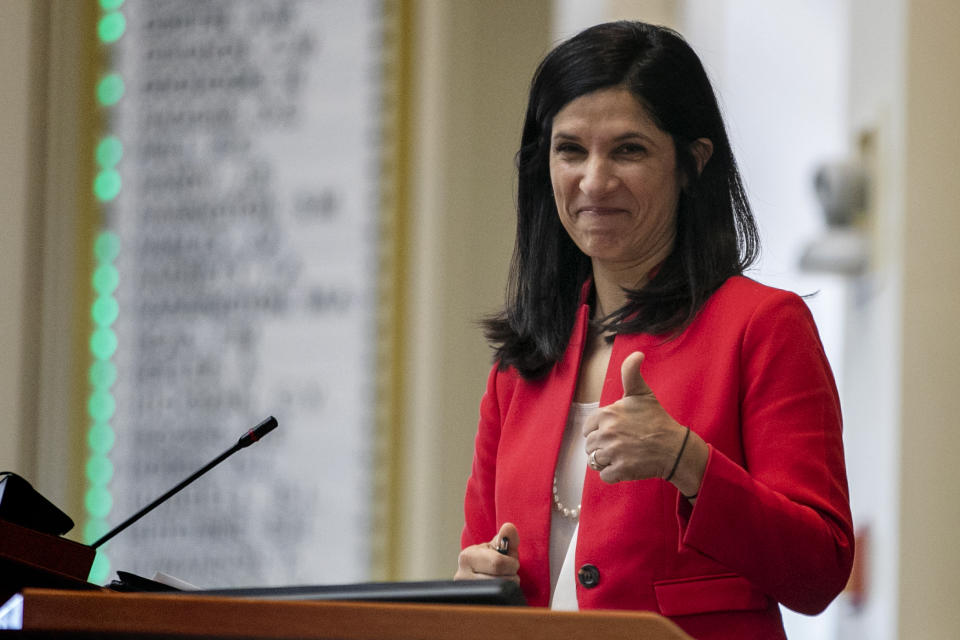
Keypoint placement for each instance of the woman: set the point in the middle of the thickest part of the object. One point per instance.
(683, 418)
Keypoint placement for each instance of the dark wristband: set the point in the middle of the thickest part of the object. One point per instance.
(676, 463)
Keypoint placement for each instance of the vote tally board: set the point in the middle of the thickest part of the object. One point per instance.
(248, 229)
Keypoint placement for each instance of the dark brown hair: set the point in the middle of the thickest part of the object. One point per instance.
(716, 234)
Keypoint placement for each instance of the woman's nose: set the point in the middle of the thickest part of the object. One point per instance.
(598, 178)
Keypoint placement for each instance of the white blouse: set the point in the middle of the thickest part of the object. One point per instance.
(571, 468)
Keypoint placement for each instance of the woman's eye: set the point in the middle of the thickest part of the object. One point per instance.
(631, 149)
(566, 148)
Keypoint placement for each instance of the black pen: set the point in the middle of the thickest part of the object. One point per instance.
(503, 547)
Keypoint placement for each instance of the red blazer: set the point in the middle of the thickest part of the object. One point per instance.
(772, 521)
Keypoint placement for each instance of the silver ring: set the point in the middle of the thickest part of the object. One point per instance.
(596, 466)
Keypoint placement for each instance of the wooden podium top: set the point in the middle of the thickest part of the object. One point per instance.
(52, 612)
(32, 559)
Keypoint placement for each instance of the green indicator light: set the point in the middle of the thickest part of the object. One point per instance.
(105, 311)
(102, 374)
(109, 151)
(106, 186)
(101, 406)
(111, 27)
(107, 246)
(98, 502)
(103, 343)
(100, 571)
(94, 529)
(110, 89)
(99, 470)
(111, 5)
(101, 438)
(105, 279)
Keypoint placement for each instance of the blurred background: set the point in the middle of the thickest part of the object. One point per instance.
(220, 210)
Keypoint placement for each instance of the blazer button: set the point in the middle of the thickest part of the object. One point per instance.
(589, 576)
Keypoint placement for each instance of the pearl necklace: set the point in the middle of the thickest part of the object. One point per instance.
(566, 512)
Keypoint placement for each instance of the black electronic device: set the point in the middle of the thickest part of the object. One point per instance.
(471, 592)
(494, 592)
(21, 504)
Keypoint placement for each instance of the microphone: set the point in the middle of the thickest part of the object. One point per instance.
(245, 441)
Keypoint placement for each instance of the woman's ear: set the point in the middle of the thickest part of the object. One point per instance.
(702, 149)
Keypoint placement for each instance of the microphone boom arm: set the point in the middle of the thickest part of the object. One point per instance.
(246, 440)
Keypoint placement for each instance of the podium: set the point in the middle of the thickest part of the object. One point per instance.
(75, 614)
(30, 558)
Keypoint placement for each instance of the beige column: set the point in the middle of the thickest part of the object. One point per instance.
(929, 565)
(22, 86)
(471, 66)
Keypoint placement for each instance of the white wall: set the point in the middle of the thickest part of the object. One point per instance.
(873, 327)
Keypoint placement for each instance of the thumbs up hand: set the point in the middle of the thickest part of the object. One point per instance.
(635, 438)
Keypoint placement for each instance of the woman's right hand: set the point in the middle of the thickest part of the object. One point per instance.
(483, 561)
